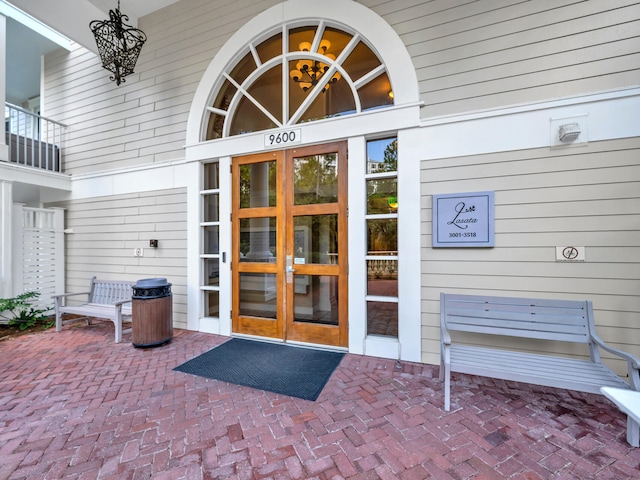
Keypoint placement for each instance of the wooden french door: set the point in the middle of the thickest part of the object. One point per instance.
(289, 262)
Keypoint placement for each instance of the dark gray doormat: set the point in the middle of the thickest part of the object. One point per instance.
(289, 370)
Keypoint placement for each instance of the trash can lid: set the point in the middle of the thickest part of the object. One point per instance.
(151, 282)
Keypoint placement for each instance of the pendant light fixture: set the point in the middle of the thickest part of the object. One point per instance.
(118, 44)
(308, 72)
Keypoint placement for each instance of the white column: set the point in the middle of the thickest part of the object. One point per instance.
(6, 243)
(4, 151)
(410, 150)
(357, 245)
(194, 272)
(60, 264)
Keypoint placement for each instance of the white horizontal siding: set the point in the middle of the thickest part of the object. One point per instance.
(468, 55)
(480, 55)
(144, 119)
(107, 229)
(586, 196)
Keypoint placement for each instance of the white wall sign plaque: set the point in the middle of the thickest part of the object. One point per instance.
(463, 220)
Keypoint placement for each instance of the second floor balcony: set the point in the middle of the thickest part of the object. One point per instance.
(33, 141)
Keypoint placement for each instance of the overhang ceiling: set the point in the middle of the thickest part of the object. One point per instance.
(133, 8)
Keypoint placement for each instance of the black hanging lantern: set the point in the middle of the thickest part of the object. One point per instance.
(119, 44)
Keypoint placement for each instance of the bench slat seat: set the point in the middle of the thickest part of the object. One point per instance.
(109, 299)
(568, 373)
(541, 319)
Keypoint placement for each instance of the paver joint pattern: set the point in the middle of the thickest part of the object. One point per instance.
(75, 405)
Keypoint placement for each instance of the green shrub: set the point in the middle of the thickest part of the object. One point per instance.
(22, 313)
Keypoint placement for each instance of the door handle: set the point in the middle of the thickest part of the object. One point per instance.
(290, 269)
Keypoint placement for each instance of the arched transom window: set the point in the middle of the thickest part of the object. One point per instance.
(298, 74)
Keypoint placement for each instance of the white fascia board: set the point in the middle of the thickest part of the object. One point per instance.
(142, 178)
(392, 119)
(611, 115)
(34, 24)
(71, 19)
(12, 172)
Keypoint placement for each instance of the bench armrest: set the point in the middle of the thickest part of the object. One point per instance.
(122, 302)
(445, 338)
(632, 359)
(633, 362)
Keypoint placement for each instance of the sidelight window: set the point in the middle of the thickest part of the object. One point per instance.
(381, 218)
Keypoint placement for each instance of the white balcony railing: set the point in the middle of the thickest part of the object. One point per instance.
(33, 140)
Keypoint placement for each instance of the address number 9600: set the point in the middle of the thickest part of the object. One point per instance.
(283, 138)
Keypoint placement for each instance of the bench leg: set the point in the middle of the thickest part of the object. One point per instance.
(447, 391)
(445, 374)
(633, 432)
(58, 315)
(118, 324)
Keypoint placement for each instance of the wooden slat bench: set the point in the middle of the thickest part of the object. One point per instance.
(542, 319)
(110, 299)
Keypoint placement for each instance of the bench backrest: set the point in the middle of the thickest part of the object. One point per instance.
(564, 320)
(109, 292)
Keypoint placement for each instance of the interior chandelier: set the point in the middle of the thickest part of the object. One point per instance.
(119, 44)
(308, 73)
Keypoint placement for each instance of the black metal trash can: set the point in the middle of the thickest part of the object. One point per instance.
(152, 313)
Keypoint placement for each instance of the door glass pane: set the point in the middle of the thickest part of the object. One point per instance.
(315, 239)
(258, 185)
(382, 236)
(211, 208)
(315, 179)
(216, 120)
(249, 118)
(211, 272)
(335, 41)
(268, 91)
(270, 48)
(258, 295)
(336, 100)
(361, 61)
(215, 126)
(382, 155)
(258, 239)
(297, 92)
(382, 196)
(211, 304)
(377, 93)
(301, 35)
(211, 176)
(382, 319)
(382, 277)
(316, 299)
(211, 237)
(243, 68)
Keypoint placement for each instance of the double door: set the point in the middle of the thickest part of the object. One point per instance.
(289, 266)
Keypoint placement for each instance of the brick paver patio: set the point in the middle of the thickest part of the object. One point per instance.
(75, 405)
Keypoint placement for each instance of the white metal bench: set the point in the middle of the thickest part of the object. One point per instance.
(110, 299)
(543, 319)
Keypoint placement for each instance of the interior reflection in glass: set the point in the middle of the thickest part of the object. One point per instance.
(382, 319)
(258, 185)
(258, 295)
(316, 299)
(315, 239)
(315, 179)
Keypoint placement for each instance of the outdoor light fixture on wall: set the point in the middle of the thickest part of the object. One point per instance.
(119, 44)
(308, 73)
